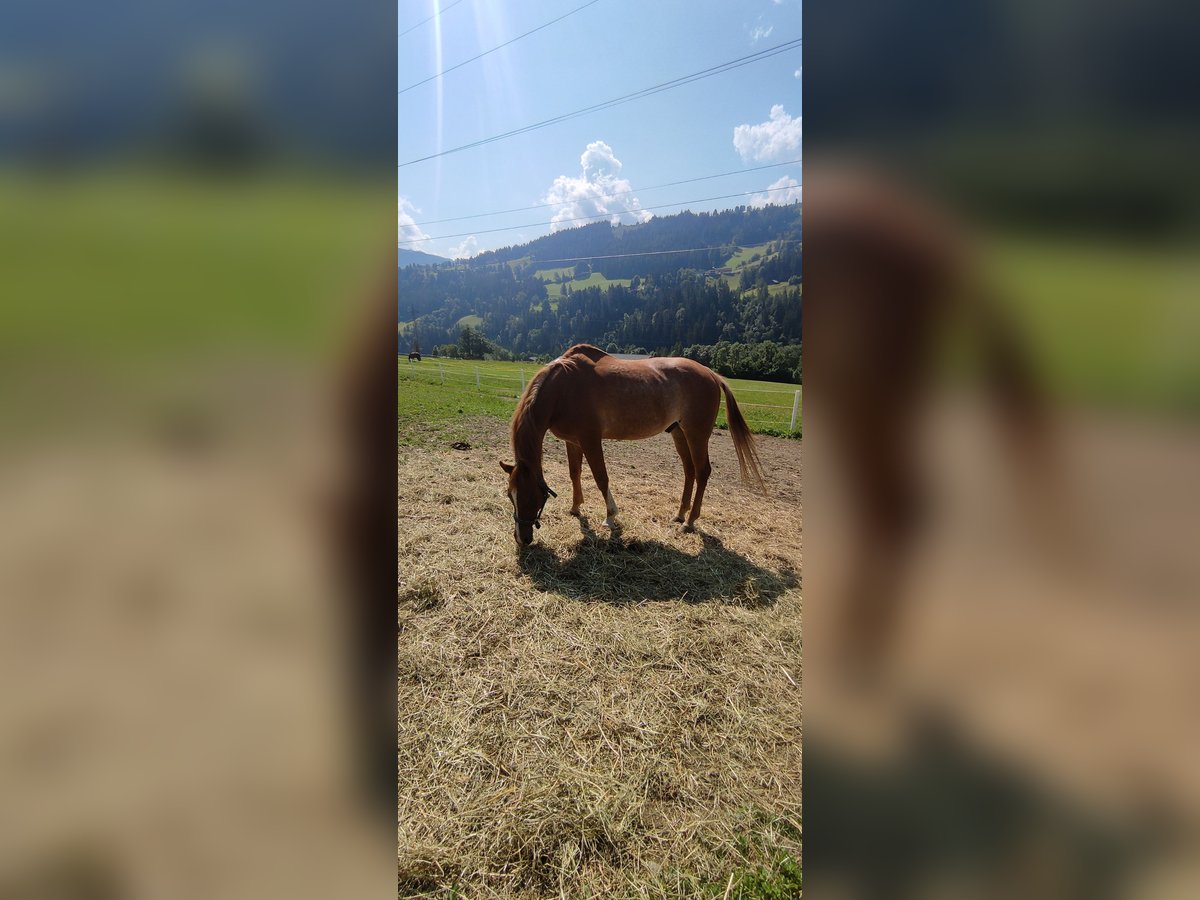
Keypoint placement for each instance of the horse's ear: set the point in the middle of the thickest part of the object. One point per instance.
(507, 467)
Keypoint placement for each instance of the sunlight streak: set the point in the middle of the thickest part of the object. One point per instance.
(440, 114)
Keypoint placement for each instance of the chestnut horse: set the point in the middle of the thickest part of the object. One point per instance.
(587, 395)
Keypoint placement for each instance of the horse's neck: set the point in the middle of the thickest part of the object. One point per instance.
(529, 436)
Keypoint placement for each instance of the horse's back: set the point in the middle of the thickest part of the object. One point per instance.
(634, 399)
(589, 351)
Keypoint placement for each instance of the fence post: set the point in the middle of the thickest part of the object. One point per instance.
(795, 410)
(477, 387)
(441, 372)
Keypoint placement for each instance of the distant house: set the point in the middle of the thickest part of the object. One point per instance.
(724, 270)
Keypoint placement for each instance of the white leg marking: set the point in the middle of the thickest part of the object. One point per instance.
(611, 508)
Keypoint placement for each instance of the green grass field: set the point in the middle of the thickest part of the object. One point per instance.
(593, 280)
(743, 255)
(432, 393)
(547, 274)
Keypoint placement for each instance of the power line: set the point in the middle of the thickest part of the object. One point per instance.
(652, 252)
(636, 95)
(641, 253)
(653, 187)
(617, 101)
(443, 237)
(430, 19)
(494, 49)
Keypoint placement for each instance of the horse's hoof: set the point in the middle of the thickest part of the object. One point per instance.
(689, 528)
(611, 523)
(678, 519)
(576, 513)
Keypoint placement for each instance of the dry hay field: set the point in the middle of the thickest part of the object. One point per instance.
(597, 715)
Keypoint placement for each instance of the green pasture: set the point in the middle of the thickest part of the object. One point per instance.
(594, 280)
(429, 391)
(773, 289)
(547, 274)
(742, 256)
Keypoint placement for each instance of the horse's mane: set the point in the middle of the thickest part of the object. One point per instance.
(526, 440)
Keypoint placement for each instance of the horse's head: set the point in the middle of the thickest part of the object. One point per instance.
(528, 492)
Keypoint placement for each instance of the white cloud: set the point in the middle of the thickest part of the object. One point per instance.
(779, 193)
(407, 227)
(775, 140)
(599, 190)
(797, 73)
(758, 33)
(468, 248)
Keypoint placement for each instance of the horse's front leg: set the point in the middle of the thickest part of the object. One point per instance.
(594, 451)
(575, 465)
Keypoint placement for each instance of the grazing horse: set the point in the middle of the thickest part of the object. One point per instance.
(414, 356)
(587, 395)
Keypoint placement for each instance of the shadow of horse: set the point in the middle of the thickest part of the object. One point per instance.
(613, 569)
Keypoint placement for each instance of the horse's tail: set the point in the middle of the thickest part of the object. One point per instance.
(743, 441)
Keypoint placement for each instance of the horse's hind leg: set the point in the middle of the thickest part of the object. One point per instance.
(699, 446)
(594, 451)
(689, 471)
(575, 465)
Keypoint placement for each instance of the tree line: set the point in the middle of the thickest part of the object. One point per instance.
(661, 314)
(761, 361)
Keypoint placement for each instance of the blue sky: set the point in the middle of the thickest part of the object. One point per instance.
(601, 163)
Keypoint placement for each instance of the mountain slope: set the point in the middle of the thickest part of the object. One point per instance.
(406, 257)
(740, 226)
(739, 280)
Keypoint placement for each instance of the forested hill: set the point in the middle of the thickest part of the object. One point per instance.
(740, 226)
(740, 281)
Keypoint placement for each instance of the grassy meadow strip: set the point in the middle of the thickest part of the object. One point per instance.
(767, 406)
